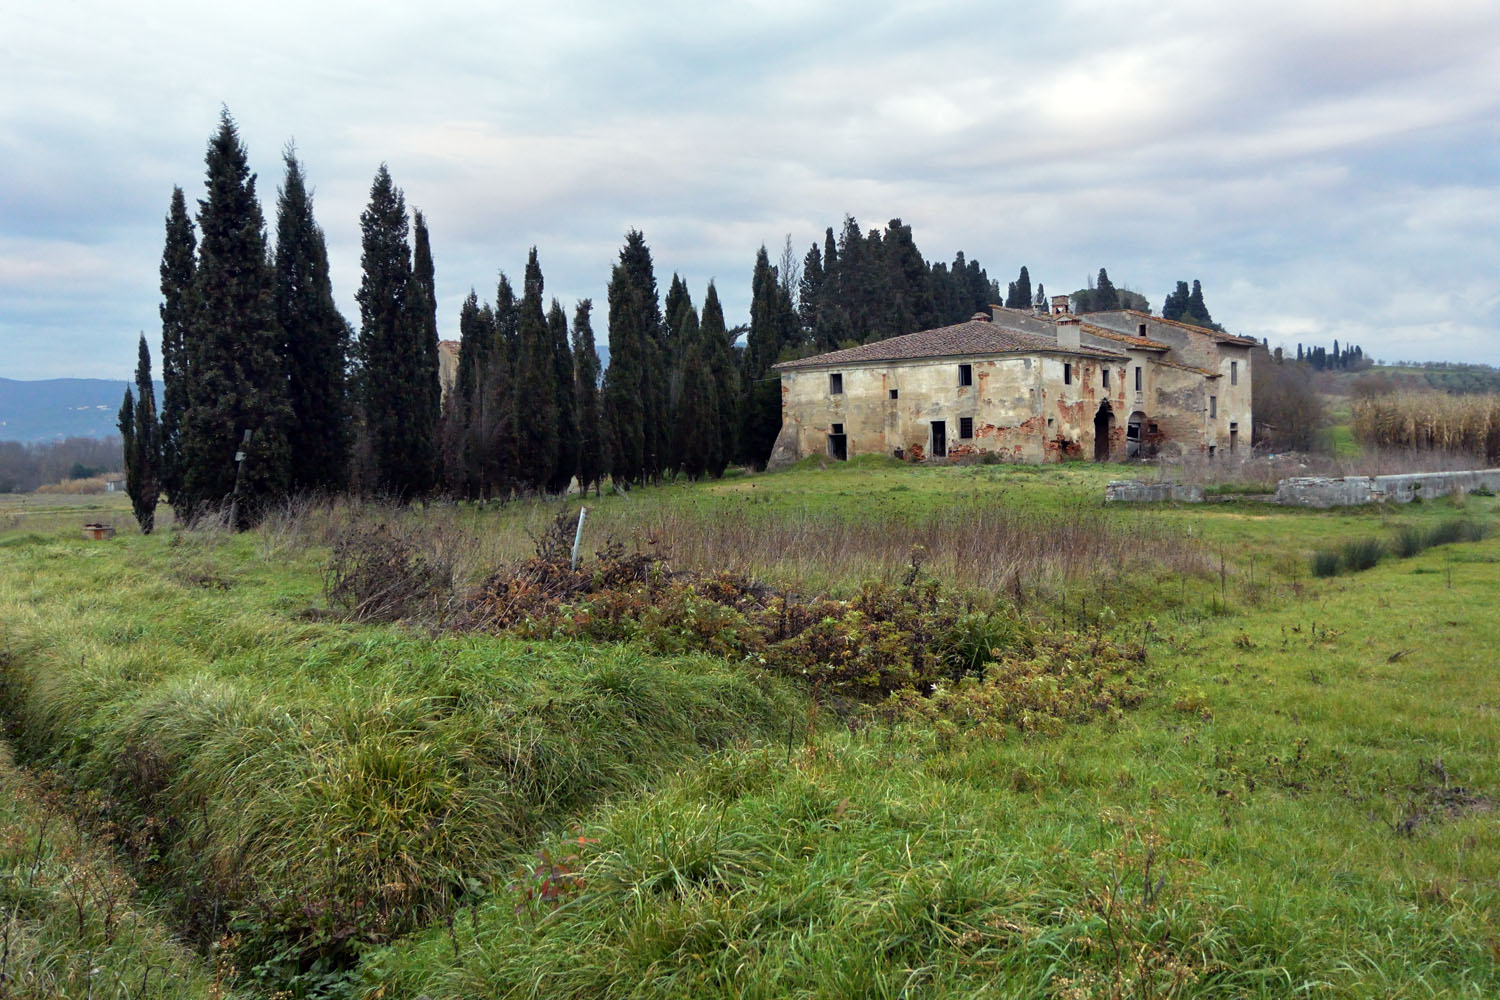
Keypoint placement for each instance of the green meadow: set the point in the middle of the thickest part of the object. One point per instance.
(1173, 760)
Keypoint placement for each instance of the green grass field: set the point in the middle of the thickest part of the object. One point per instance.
(1300, 803)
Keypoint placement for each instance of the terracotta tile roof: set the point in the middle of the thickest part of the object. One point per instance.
(1206, 373)
(1145, 343)
(973, 338)
(1226, 338)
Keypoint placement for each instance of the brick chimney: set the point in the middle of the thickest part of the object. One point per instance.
(1061, 305)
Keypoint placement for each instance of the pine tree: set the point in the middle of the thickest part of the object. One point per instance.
(231, 352)
(178, 267)
(586, 397)
(535, 392)
(568, 442)
(395, 370)
(141, 436)
(314, 345)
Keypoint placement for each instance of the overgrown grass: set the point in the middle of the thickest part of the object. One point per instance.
(71, 922)
(311, 786)
(1302, 807)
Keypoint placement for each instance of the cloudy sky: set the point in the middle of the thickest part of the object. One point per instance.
(1327, 169)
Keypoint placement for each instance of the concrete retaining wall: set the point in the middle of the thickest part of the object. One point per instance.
(1136, 491)
(1324, 492)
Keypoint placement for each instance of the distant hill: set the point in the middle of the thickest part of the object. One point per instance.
(56, 408)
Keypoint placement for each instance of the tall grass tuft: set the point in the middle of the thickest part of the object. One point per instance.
(1360, 554)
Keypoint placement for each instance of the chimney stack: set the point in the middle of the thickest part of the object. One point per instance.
(1061, 305)
(1068, 332)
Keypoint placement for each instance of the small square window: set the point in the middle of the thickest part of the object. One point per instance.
(1104, 374)
(965, 374)
(895, 394)
(837, 429)
(1067, 373)
(836, 384)
(965, 427)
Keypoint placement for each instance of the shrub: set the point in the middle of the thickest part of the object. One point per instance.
(375, 575)
(1361, 554)
(1409, 541)
(1325, 563)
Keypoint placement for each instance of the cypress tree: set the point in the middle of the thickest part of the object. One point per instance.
(568, 444)
(178, 267)
(232, 350)
(697, 423)
(630, 388)
(426, 345)
(501, 453)
(719, 349)
(314, 344)
(535, 394)
(1018, 295)
(140, 435)
(762, 411)
(586, 400)
(1041, 304)
(1105, 298)
(396, 367)
(1176, 304)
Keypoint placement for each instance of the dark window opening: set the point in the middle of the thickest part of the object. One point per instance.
(1138, 379)
(1067, 373)
(1104, 374)
(1140, 330)
(965, 374)
(1211, 450)
(838, 429)
(1213, 407)
(939, 439)
(1234, 437)
(1234, 373)
(895, 394)
(965, 427)
(836, 384)
(838, 444)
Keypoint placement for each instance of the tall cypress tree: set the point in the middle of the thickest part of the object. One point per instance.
(501, 451)
(315, 342)
(586, 397)
(178, 267)
(762, 409)
(1105, 297)
(1019, 293)
(719, 349)
(629, 396)
(567, 410)
(697, 417)
(232, 351)
(395, 366)
(429, 383)
(141, 436)
(535, 398)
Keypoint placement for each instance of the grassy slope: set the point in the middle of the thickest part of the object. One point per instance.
(70, 922)
(311, 782)
(1285, 775)
(868, 863)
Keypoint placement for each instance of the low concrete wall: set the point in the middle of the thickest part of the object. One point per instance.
(1137, 491)
(1324, 492)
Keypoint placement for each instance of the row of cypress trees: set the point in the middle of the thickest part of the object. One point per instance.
(252, 341)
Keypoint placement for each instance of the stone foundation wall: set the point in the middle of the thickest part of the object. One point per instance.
(1325, 492)
(1136, 491)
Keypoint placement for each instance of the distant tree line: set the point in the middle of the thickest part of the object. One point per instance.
(24, 467)
(1350, 357)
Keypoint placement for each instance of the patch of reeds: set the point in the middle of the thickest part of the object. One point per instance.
(1409, 540)
(1465, 425)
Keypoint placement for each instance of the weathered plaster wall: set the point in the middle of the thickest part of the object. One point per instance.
(1022, 408)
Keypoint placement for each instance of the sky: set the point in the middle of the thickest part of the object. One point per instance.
(1329, 169)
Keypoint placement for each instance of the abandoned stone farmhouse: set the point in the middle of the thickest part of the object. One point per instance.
(1025, 386)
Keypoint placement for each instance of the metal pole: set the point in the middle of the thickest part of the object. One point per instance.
(578, 536)
(239, 478)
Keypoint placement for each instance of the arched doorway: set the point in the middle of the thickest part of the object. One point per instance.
(1133, 431)
(1104, 425)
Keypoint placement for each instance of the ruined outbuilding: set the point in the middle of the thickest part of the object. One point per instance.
(1024, 386)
